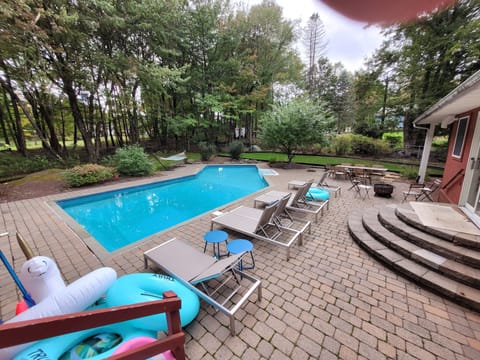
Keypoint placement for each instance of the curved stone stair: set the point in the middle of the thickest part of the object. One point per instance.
(435, 258)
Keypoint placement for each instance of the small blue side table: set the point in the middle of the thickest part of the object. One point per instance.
(215, 237)
(238, 246)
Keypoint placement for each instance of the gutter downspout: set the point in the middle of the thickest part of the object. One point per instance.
(427, 146)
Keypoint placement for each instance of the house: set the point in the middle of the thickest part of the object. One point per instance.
(461, 178)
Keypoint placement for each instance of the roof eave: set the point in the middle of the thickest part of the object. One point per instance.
(448, 107)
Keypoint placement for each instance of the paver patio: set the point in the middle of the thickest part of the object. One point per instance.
(329, 301)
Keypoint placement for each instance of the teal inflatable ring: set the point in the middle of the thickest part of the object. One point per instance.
(318, 194)
(141, 287)
(92, 344)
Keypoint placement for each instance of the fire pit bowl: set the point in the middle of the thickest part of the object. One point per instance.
(383, 190)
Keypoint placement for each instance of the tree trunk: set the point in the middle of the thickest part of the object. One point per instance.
(78, 119)
(19, 135)
(4, 128)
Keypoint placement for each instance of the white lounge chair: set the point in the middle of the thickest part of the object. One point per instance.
(258, 224)
(194, 269)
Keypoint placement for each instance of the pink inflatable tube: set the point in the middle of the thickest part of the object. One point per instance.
(140, 341)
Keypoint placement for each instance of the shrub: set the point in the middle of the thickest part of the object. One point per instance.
(346, 144)
(342, 144)
(109, 160)
(206, 150)
(410, 172)
(88, 174)
(235, 149)
(373, 130)
(395, 140)
(133, 161)
(33, 164)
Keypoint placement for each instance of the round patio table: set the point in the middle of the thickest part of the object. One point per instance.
(238, 246)
(215, 237)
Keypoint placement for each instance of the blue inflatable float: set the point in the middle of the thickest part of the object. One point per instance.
(99, 343)
(141, 287)
(92, 344)
(318, 194)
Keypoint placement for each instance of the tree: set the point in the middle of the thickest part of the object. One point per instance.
(122, 72)
(315, 44)
(425, 60)
(334, 87)
(294, 126)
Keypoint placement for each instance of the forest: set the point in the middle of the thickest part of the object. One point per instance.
(169, 74)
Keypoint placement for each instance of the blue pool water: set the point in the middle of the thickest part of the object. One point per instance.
(119, 218)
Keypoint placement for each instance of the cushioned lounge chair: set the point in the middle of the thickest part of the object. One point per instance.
(282, 217)
(258, 224)
(300, 203)
(194, 269)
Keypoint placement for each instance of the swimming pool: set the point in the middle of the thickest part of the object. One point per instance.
(119, 218)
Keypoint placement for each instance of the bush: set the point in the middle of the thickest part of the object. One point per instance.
(133, 161)
(109, 161)
(395, 140)
(347, 144)
(22, 165)
(235, 149)
(369, 129)
(206, 150)
(342, 144)
(410, 172)
(88, 174)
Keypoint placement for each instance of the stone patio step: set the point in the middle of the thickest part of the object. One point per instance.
(426, 240)
(406, 213)
(418, 272)
(445, 266)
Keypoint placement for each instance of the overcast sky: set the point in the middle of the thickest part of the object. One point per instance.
(349, 42)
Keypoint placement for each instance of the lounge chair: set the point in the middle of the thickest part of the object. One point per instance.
(195, 269)
(282, 217)
(300, 203)
(258, 224)
(177, 157)
(320, 184)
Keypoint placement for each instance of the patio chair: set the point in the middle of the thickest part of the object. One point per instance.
(198, 271)
(363, 175)
(282, 217)
(358, 185)
(340, 171)
(258, 224)
(414, 190)
(300, 203)
(429, 190)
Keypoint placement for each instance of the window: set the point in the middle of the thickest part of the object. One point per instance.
(460, 137)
